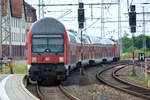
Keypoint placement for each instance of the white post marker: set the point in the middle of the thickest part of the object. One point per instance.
(146, 75)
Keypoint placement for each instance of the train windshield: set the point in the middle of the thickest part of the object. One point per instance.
(47, 44)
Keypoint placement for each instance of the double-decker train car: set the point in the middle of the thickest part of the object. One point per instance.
(53, 52)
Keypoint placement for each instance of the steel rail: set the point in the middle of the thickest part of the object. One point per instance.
(40, 96)
(127, 87)
(131, 84)
(66, 93)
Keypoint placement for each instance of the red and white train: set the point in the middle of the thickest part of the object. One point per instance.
(53, 52)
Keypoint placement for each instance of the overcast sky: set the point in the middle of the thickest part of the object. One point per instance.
(68, 16)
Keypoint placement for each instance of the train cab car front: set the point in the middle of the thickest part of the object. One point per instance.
(47, 42)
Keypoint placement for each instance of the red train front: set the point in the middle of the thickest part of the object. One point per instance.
(47, 49)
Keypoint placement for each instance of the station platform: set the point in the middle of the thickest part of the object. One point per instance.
(13, 89)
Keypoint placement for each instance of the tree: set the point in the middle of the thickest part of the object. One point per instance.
(138, 42)
(126, 43)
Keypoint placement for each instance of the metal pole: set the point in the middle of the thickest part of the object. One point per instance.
(102, 18)
(43, 8)
(133, 68)
(128, 5)
(144, 37)
(10, 42)
(1, 35)
(39, 8)
(85, 31)
(144, 44)
(119, 27)
(0, 28)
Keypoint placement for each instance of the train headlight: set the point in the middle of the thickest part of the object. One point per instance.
(34, 59)
(61, 59)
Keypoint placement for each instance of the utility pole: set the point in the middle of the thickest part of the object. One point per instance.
(1, 36)
(144, 44)
(41, 9)
(102, 18)
(0, 29)
(144, 37)
(119, 27)
(6, 33)
(10, 39)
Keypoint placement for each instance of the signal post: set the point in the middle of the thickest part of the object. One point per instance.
(81, 20)
(132, 24)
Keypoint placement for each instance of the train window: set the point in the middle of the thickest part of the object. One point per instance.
(109, 54)
(39, 44)
(53, 44)
(56, 44)
(98, 55)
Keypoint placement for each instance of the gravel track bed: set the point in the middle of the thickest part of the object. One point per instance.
(48, 92)
(87, 87)
(52, 93)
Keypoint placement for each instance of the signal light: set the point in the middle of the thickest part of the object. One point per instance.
(81, 15)
(132, 19)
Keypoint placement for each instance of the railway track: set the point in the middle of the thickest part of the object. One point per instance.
(109, 77)
(54, 93)
(49, 92)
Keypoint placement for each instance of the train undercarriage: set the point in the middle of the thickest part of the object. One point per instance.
(47, 73)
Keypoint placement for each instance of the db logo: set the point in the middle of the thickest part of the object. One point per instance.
(47, 58)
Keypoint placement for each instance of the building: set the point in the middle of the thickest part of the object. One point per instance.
(30, 15)
(17, 17)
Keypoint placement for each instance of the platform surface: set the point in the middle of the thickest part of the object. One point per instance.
(13, 88)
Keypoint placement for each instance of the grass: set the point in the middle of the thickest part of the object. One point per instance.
(143, 82)
(125, 56)
(128, 55)
(6, 70)
(19, 68)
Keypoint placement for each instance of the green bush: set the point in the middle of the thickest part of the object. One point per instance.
(20, 68)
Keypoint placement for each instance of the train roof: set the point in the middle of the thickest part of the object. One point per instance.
(99, 40)
(107, 41)
(48, 25)
(86, 39)
(72, 38)
(76, 38)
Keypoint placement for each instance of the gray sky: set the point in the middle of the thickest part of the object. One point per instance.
(111, 14)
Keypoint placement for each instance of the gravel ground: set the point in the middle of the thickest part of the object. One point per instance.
(126, 73)
(52, 93)
(87, 87)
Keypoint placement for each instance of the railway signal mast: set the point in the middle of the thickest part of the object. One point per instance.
(132, 24)
(81, 21)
